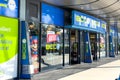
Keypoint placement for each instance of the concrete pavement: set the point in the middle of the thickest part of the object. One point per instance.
(109, 71)
(97, 67)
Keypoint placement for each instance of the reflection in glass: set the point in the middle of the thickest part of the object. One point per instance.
(102, 45)
(33, 35)
(66, 44)
(52, 39)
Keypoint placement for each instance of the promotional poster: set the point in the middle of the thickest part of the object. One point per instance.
(8, 48)
(34, 53)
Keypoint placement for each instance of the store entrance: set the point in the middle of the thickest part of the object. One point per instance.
(93, 42)
(74, 45)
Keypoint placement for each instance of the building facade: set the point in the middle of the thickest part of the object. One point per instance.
(36, 36)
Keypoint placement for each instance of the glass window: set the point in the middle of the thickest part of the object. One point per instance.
(33, 35)
(102, 45)
(66, 42)
(52, 41)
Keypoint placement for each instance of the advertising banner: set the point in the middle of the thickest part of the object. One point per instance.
(8, 48)
(9, 8)
(51, 38)
(34, 53)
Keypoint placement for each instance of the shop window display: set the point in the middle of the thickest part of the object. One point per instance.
(33, 35)
(102, 45)
(66, 44)
(52, 39)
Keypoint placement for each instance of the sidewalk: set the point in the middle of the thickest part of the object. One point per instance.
(72, 71)
(109, 71)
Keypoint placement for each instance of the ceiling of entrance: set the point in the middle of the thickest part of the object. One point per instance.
(108, 9)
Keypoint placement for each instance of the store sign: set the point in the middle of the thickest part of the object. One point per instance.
(51, 46)
(9, 8)
(52, 15)
(51, 38)
(113, 31)
(86, 22)
(8, 48)
(103, 26)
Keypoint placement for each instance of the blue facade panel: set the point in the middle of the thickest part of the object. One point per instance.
(52, 15)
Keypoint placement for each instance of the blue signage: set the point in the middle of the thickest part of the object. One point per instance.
(52, 15)
(9, 8)
(87, 22)
(113, 31)
(103, 26)
(111, 49)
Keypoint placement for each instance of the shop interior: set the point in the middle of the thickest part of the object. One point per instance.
(93, 43)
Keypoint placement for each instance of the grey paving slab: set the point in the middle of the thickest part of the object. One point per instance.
(72, 69)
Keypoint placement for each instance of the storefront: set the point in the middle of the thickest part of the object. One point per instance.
(51, 36)
(49, 43)
(9, 39)
(43, 40)
(88, 33)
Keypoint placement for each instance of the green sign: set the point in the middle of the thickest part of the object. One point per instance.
(8, 38)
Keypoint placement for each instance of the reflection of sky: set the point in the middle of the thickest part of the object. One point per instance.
(52, 15)
(46, 18)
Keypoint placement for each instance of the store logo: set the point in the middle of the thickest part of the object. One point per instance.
(11, 4)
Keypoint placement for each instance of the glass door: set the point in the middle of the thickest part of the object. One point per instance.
(93, 42)
(33, 28)
(66, 45)
(74, 47)
(82, 46)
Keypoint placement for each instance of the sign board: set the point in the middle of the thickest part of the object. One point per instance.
(87, 22)
(9, 8)
(8, 47)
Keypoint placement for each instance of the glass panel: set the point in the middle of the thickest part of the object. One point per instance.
(82, 46)
(33, 35)
(52, 39)
(102, 45)
(93, 42)
(98, 45)
(74, 46)
(115, 45)
(66, 43)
